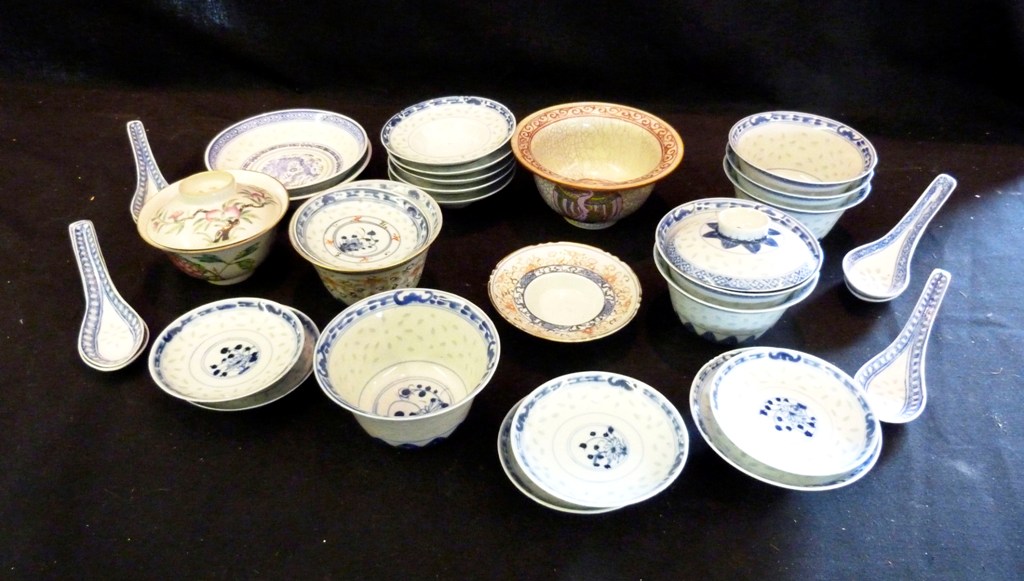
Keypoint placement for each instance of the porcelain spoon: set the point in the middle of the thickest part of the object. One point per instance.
(894, 380)
(112, 334)
(148, 179)
(880, 271)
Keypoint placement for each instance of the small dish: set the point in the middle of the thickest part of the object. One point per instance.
(700, 410)
(306, 150)
(499, 173)
(564, 291)
(227, 350)
(599, 440)
(448, 131)
(793, 411)
(449, 199)
(462, 172)
(295, 377)
(702, 251)
(511, 469)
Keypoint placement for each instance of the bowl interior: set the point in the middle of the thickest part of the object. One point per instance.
(362, 227)
(298, 147)
(406, 354)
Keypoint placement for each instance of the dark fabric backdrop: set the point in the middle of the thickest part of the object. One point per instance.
(103, 476)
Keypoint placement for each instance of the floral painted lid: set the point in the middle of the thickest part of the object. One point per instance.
(213, 209)
(738, 245)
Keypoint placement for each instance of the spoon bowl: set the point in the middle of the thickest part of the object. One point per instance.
(894, 380)
(880, 271)
(112, 334)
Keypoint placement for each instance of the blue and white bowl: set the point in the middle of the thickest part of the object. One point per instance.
(367, 236)
(598, 440)
(813, 432)
(227, 354)
(407, 363)
(307, 150)
(801, 153)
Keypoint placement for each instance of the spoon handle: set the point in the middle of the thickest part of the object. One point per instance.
(912, 340)
(110, 325)
(914, 222)
(148, 179)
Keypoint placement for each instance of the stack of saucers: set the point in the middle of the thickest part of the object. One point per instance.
(234, 354)
(733, 266)
(786, 418)
(809, 166)
(592, 442)
(455, 148)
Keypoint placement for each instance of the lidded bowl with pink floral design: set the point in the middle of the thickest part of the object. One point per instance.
(215, 225)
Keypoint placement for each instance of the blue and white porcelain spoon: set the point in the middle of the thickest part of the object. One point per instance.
(148, 179)
(880, 271)
(893, 380)
(112, 334)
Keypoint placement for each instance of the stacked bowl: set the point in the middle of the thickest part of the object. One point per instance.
(592, 442)
(809, 166)
(733, 266)
(455, 148)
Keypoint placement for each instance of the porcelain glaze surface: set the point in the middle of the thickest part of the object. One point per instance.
(112, 333)
(407, 363)
(801, 152)
(599, 440)
(501, 173)
(227, 350)
(880, 271)
(304, 149)
(508, 464)
(448, 130)
(148, 178)
(793, 411)
(700, 410)
(563, 291)
(689, 239)
(894, 379)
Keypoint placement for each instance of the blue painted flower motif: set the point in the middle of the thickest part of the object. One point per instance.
(754, 246)
(790, 416)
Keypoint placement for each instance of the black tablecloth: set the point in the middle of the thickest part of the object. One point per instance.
(103, 475)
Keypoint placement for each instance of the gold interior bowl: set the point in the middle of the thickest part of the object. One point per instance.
(596, 163)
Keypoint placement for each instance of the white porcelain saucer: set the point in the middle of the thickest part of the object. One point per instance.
(465, 198)
(298, 374)
(227, 350)
(448, 130)
(705, 418)
(564, 291)
(511, 469)
(599, 440)
(304, 149)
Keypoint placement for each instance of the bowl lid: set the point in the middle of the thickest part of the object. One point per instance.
(738, 245)
(213, 209)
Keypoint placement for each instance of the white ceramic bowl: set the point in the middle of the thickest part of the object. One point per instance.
(215, 225)
(515, 474)
(736, 252)
(407, 363)
(307, 150)
(801, 153)
(452, 134)
(596, 163)
(779, 198)
(226, 351)
(818, 222)
(599, 440)
(704, 419)
(367, 236)
(724, 324)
